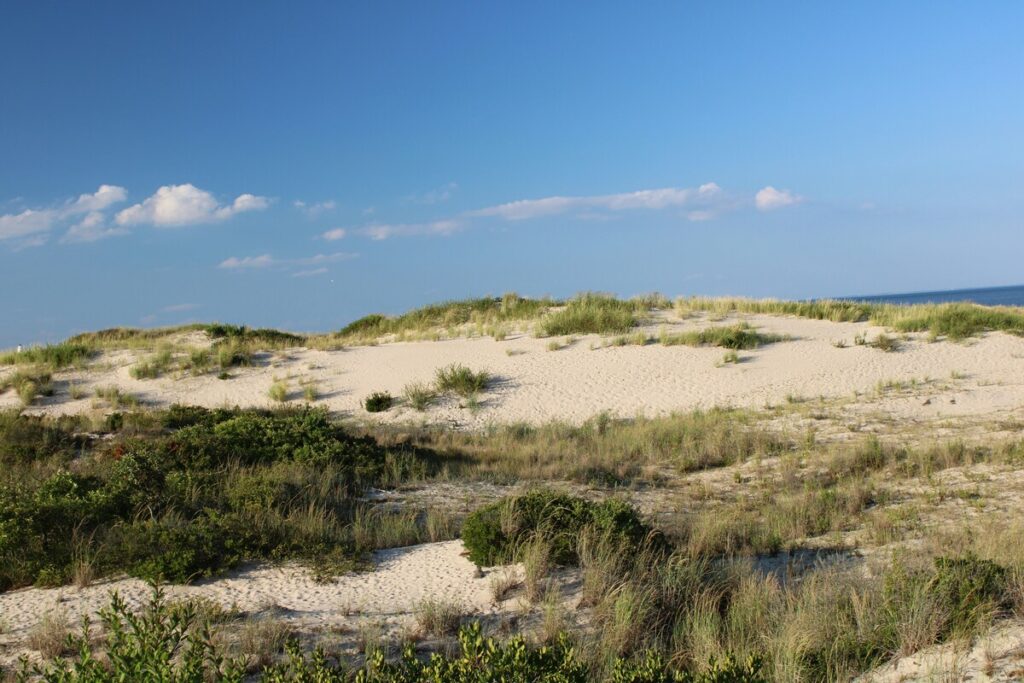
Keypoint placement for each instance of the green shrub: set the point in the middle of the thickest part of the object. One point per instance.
(378, 402)
(461, 380)
(495, 533)
(162, 643)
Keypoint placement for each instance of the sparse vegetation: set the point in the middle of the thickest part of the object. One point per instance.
(419, 395)
(278, 391)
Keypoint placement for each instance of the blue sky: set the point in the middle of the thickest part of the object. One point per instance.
(301, 164)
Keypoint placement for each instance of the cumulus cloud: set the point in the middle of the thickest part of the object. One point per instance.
(768, 199)
(174, 205)
(28, 222)
(316, 208)
(641, 199)
(335, 234)
(99, 200)
(28, 225)
(91, 229)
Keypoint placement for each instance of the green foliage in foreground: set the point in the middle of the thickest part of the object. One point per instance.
(220, 486)
(496, 533)
(482, 659)
(171, 643)
(165, 642)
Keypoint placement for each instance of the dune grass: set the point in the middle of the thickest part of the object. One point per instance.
(460, 380)
(55, 356)
(589, 314)
(735, 337)
(953, 321)
(488, 312)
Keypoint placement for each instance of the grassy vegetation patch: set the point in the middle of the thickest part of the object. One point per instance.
(498, 532)
(55, 356)
(590, 314)
(187, 493)
(736, 337)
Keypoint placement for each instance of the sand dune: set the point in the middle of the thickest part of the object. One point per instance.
(585, 378)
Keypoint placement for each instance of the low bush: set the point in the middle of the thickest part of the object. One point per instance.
(497, 532)
(188, 493)
(378, 402)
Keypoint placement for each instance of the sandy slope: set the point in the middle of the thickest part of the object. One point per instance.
(579, 381)
(402, 579)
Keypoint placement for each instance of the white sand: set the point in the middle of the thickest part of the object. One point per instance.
(575, 383)
(402, 579)
(578, 382)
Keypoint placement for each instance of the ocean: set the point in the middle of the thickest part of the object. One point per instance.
(988, 296)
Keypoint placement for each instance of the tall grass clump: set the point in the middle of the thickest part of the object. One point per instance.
(589, 314)
(458, 379)
(735, 337)
(153, 367)
(485, 313)
(55, 356)
(419, 395)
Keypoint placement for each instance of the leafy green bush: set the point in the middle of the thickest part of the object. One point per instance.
(378, 402)
(162, 643)
(221, 486)
(495, 533)
(459, 379)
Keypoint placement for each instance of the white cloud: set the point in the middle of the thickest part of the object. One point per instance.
(28, 222)
(435, 196)
(179, 308)
(310, 273)
(247, 262)
(90, 229)
(99, 200)
(335, 234)
(382, 231)
(267, 261)
(33, 222)
(322, 258)
(315, 209)
(768, 199)
(174, 205)
(641, 199)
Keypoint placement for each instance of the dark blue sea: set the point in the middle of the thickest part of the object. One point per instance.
(988, 296)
